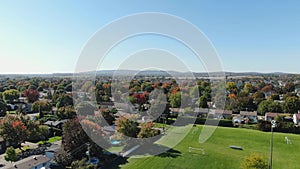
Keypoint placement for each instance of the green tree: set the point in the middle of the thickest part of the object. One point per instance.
(275, 97)
(82, 164)
(275, 106)
(263, 107)
(292, 105)
(2, 108)
(10, 154)
(41, 105)
(258, 97)
(202, 102)
(64, 100)
(85, 108)
(175, 100)
(245, 102)
(10, 95)
(254, 161)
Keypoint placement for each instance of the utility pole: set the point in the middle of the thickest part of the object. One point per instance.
(273, 122)
(88, 153)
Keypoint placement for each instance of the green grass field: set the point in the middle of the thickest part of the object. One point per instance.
(218, 155)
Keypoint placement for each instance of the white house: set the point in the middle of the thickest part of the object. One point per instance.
(296, 118)
(32, 162)
(251, 115)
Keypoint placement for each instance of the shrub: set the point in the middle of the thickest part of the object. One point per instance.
(254, 161)
(222, 122)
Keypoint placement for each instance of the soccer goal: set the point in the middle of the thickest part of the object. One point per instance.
(191, 149)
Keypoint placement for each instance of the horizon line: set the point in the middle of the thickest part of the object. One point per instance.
(51, 73)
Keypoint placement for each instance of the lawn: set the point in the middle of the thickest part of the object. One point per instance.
(218, 155)
(51, 140)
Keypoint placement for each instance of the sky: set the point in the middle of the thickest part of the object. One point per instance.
(249, 36)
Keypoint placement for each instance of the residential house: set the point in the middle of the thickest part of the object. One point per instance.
(50, 152)
(296, 118)
(251, 115)
(33, 162)
(220, 114)
(107, 104)
(224, 114)
(271, 116)
(56, 124)
(176, 111)
(201, 112)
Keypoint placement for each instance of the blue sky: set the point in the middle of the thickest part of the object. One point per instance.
(47, 36)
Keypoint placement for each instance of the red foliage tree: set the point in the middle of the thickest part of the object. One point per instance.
(140, 98)
(31, 95)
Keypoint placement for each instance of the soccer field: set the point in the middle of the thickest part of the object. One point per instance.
(219, 155)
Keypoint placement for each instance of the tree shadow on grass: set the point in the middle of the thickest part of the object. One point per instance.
(156, 150)
(115, 163)
(148, 150)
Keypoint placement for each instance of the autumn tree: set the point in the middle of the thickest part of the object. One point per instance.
(127, 126)
(14, 130)
(289, 87)
(147, 131)
(258, 97)
(231, 87)
(248, 87)
(31, 95)
(10, 95)
(140, 99)
(267, 88)
(74, 137)
(67, 112)
(104, 117)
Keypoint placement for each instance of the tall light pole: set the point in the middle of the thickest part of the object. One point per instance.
(273, 122)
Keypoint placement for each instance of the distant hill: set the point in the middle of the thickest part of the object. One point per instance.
(146, 73)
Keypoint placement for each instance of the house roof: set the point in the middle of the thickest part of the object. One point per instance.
(201, 110)
(248, 113)
(177, 110)
(272, 114)
(28, 163)
(220, 111)
(54, 123)
(297, 116)
(55, 147)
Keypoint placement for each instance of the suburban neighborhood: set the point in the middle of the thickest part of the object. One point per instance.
(42, 116)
